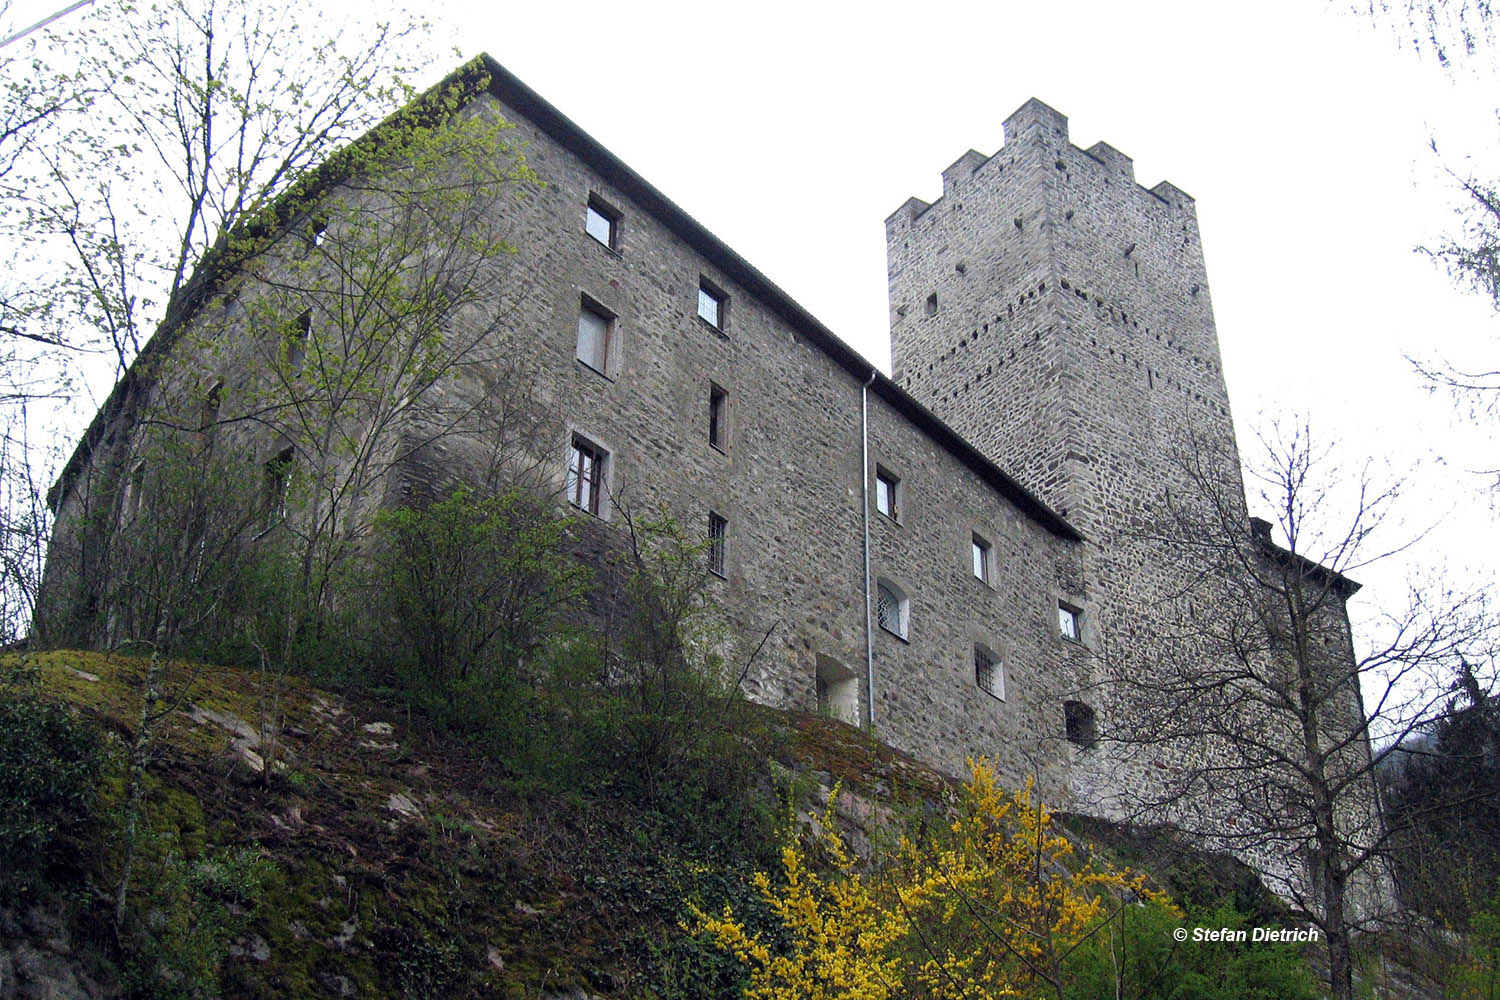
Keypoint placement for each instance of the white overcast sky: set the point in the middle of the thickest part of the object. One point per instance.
(793, 129)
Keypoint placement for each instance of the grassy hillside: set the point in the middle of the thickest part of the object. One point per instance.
(370, 853)
(387, 859)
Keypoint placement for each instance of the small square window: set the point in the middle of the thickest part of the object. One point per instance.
(586, 475)
(718, 417)
(712, 304)
(1069, 622)
(981, 557)
(718, 532)
(602, 223)
(596, 329)
(887, 495)
(989, 674)
(1080, 724)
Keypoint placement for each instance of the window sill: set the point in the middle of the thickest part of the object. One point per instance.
(721, 451)
(716, 574)
(584, 364)
(589, 513)
(895, 635)
(709, 326)
(616, 254)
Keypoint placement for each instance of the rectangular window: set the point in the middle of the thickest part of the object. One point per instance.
(276, 485)
(602, 223)
(135, 486)
(1080, 724)
(297, 336)
(989, 675)
(981, 553)
(718, 531)
(1069, 622)
(585, 475)
(718, 417)
(208, 411)
(892, 609)
(595, 330)
(712, 304)
(886, 494)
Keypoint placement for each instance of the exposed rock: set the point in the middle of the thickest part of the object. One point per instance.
(31, 973)
(400, 803)
(346, 933)
(225, 720)
(253, 947)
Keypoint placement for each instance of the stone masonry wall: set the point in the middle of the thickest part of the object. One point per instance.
(1057, 314)
(788, 479)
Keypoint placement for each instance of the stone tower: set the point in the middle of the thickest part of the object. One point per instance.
(1057, 314)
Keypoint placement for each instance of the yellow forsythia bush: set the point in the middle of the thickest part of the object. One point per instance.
(994, 905)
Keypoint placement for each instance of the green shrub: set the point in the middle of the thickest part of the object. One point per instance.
(49, 783)
(473, 589)
(1138, 957)
(660, 717)
(189, 915)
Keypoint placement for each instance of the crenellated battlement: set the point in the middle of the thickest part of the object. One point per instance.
(1036, 134)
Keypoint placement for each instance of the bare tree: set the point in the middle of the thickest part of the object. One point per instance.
(197, 116)
(25, 523)
(1265, 725)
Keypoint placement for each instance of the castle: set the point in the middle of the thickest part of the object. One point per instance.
(960, 555)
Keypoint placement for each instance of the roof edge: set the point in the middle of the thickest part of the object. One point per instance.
(509, 89)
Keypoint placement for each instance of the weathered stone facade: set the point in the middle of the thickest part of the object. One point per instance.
(1050, 318)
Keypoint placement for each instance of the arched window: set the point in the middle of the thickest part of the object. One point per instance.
(892, 609)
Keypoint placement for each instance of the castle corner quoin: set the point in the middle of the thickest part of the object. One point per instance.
(972, 554)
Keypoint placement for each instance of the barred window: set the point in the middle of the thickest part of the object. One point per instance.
(892, 609)
(718, 530)
(1079, 724)
(989, 674)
